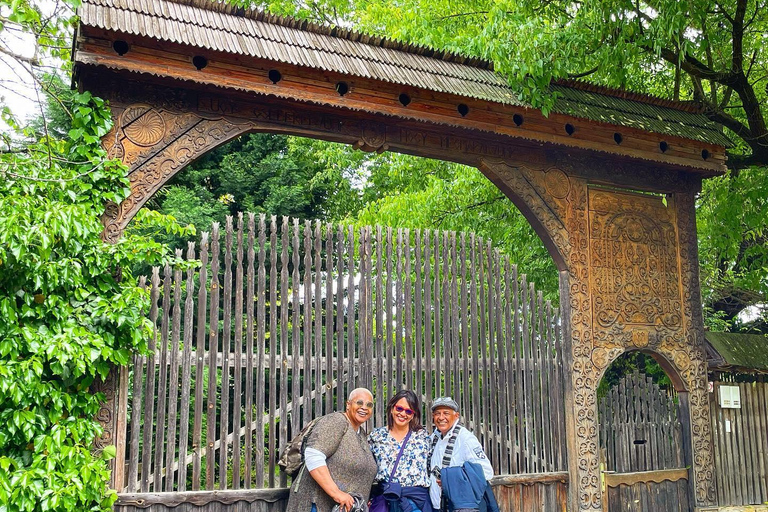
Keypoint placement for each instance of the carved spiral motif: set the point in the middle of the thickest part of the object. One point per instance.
(142, 125)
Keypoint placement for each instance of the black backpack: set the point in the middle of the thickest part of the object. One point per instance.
(292, 455)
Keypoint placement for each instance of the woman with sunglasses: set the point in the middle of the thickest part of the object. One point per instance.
(338, 466)
(401, 450)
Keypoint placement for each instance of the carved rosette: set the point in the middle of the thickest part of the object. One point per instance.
(156, 144)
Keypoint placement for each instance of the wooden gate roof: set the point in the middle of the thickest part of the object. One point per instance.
(220, 27)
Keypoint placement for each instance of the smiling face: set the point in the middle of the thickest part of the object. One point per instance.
(444, 418)
(359, 407)
(400, 413)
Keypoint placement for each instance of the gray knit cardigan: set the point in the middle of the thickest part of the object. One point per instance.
(349, 461)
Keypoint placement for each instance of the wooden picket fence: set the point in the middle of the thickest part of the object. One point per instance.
(279, 321)
(639, 427)
(740, 438)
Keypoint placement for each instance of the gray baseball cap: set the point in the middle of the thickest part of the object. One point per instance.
(445, 401)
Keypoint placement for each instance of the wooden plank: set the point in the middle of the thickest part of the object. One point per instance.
(493, 395)
(520, 432)
(261, 343)
(455, 325)
(330, 357)
(380, 352)
(136, 412)
(398, 380)
(474, 327)
(250, 315)
(761, 424)
(437, 333)
(317, 316)
(274, 343)
(525, 359)
(388, 338)
(538, 398)
(445, 321)
(213, 347)
(202, 301)
(237, 407)
(295, 338)
(344, 363)
(428, 341)
(149, 395)
(162, 389)
(509, 370)
(226, 348)
(354, 366)
(751, 417)
(366, 318)
(546, 382)
(186, 372)
(464, 321)
(662, 475)
(408, 306)
(284, 325)
(530, 478)
(502, 425)
(419, 345)
(483, 339)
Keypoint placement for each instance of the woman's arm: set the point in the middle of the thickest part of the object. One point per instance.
(322, 476)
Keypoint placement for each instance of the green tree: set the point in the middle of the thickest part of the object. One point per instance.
(69, 309)
(706, 51)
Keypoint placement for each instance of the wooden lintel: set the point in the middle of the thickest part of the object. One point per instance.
(530, 478)
(314, 87)
(658, 476)
(172, 499)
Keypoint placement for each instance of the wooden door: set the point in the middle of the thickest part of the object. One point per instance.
(641, 440)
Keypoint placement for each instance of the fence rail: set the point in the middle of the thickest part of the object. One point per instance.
(281, 320)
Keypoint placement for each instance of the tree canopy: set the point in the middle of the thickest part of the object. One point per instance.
(709, 52)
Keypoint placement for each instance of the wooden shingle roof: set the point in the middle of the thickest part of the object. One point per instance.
(222, 27)
(740, 352)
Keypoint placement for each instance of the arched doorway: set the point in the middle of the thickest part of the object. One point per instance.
(643, 456)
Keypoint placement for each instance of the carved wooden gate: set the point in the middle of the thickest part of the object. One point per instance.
(184, 76)
(641, 445)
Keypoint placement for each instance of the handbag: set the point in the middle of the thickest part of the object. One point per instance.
(379, 502)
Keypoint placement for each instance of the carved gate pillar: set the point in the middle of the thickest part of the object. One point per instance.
(629, 281)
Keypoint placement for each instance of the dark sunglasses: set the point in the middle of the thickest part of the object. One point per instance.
(408, 412)
(360, 403)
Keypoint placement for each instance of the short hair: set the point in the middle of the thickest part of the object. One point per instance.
(358, 390)
(413, 402)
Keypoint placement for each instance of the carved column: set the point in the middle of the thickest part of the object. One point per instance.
(630, 282)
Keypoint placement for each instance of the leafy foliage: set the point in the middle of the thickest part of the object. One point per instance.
(67, 313)
(68, 309)
(706, 51)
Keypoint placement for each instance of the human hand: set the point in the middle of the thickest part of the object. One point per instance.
(345, 500)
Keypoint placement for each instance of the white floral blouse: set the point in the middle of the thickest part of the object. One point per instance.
(412, 468)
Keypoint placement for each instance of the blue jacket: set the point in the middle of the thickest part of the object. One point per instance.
(465, 487)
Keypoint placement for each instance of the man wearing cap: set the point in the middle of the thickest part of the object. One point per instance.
(453, 446)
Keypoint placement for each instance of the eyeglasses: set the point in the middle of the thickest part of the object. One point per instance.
(361, 403)
(408, 412)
